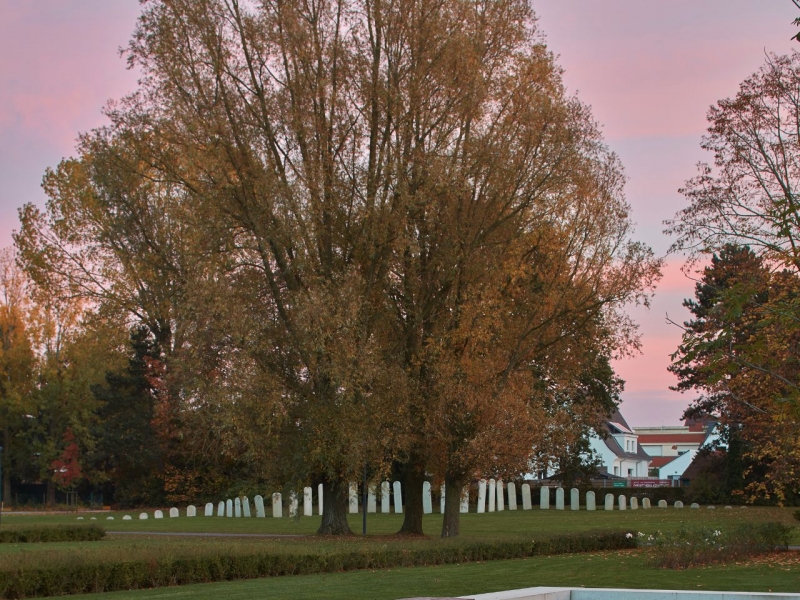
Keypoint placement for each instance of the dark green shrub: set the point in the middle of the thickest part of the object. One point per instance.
(106, 577)
(59, 533)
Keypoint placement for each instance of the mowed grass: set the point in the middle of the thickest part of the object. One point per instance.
(779, 573)
(605, 570)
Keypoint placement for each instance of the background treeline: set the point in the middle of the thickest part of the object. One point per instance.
(321, 239)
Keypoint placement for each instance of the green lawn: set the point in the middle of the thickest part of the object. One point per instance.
(625, 570)
(593, 570)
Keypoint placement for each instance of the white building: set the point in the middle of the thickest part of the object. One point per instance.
(620, 451)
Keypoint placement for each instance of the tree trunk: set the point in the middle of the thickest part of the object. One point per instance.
(413, 478)
(51, 493)
(6, 467)
(451, 520)
(335, 496)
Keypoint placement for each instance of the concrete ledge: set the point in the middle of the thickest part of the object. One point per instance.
(550, 593)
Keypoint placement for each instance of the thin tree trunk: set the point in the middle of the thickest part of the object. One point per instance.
(51, 493)
(6, 467)
(335, 495)
(451, 520)
(413, 478)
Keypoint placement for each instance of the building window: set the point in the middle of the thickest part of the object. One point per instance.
(630, 472)
(616, 470)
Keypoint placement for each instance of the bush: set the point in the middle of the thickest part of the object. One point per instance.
(112, 576)
(686, 548)
(61, 533)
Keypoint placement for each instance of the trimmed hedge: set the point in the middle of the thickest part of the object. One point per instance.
(61, 533)
(108, 577)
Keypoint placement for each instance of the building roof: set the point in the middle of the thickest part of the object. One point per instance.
(672, 438)
(659, 461)
(613, 426)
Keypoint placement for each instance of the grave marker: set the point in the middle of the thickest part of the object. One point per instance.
(191, 510)
(694, 505)
(158, 515)
(221, 509)
(209, 512)
(544, 498)
(634, 503)
(609, 502)
(441, 498)
(512, 495)
(246, 507)
(173, 512)
(678, 504)
(293, 504)
(501, 501)
(353, 498)
(645, 503)
(464, 508)
(385, 498)
(492, 495)
(427, 507)
(662, 504)
(237, 507)
(308, 502)
(481, 496)
(277, 505)
(559, 498)
(526, 497)
(260, 512)
(143, 516)
(622, 502)
(574, 499)
(127, 518)
(229, 508)
(371, 506)
(591, 504)
(319, 499)
(398, 497)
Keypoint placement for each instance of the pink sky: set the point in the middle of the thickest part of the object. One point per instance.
(649, 69)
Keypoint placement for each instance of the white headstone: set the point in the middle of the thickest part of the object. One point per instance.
(191, 510)
(512, 495)
(259, 501)
(143, 516)
(319, 499)
(634, 503)
(173, 512)
(229, 508)
(694, 505)
(501, 501)
(308, 502)
(622, 502)
(574, 499)
(92, 518)
(527, 504)
(127, 518)
(246, 507)
(293, 504)
(109, 518)
(645, 502)
(277, 505)
(544, 498)
(442, 492)
(591, 504)
(559, 498)
(158, 514)
(386, 497)
(221, 509)
(427, 507)
(237, 507)
(609, 502)
(209, 510)
(464, 508)
(492, 494)
(711, 507)
(353, 498)
(481, 496)
(662, 504)
(728, 507)
(398, 497)
(79, 519)
(678, 504)
(371, 500)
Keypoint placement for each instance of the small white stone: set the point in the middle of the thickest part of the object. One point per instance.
(93, 518)
(127, 518)
(80, 518)
(143, 516)
(109, 518)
